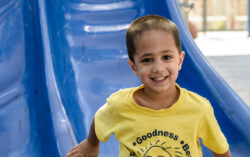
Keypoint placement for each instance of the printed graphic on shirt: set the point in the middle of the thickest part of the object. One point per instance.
(159, 143)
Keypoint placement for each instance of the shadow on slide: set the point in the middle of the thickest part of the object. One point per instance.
(60, 60)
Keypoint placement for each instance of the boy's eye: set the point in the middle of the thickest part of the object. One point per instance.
(147, 60)
(166, 57)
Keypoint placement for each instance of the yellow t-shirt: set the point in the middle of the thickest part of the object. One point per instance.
(174, 131)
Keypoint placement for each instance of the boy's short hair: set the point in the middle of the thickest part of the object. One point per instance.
(150, 22)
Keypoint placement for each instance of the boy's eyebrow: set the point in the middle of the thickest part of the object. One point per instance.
(145, 55)
(167, 51)
(163, 51)
(149, 54)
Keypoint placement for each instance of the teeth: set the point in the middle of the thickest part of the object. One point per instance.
(159, 78)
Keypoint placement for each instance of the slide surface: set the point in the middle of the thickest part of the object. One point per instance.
(61, 59)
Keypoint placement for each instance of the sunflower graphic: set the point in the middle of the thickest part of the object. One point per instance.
(159, 149)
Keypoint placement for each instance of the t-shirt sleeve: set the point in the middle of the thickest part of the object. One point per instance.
(211, 134)
(104, 120)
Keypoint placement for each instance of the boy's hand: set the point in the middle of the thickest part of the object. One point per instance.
(84, 149)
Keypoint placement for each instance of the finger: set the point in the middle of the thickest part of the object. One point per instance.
(76, 147)
(73, 152)
(69, 154)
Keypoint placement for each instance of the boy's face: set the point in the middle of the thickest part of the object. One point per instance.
(157, 60)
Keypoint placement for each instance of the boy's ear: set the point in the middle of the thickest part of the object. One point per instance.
(133, 67)
(181, 59)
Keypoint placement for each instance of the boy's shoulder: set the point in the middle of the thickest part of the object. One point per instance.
(123, 91)
(122, 94)
(196, 100)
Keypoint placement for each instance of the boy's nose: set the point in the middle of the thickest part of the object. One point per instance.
(157, 67)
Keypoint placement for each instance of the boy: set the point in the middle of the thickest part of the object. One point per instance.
(158, 118)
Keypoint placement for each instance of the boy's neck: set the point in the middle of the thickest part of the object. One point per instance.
(156, 101)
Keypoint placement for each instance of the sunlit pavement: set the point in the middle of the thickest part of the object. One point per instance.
(229, 54)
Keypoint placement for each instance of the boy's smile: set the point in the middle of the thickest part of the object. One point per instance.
(157, 60)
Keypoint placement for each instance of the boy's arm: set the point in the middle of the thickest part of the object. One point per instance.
(227, 154)
(92, 138)
(88, 147)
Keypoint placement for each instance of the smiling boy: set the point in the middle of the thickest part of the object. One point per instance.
(159, 116)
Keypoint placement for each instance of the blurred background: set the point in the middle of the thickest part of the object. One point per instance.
(221, 31)
(56, 64)
(218, 15)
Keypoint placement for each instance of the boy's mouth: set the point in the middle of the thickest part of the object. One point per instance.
(159, 78)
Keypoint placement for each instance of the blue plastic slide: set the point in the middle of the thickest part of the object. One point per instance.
(61, 59)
